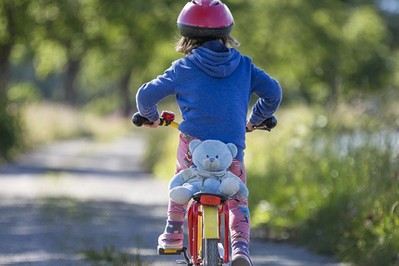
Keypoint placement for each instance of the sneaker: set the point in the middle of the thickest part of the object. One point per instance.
(171, 241)
(241, 255)
(241, 260)
(172, 238)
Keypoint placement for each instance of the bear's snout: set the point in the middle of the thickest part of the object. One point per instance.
(211, 163)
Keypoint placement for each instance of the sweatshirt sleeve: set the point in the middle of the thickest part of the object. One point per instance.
(270, 95)
(151, 93)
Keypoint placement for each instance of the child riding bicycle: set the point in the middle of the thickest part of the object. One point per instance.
(213, 85)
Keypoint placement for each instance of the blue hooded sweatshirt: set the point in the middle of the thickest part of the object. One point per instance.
(213, 86)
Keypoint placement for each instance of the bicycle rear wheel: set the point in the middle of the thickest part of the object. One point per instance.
(211, 253)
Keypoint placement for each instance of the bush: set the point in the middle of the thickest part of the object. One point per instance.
(335, 193)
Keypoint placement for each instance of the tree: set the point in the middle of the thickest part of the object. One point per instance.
(134, 30)
(320, 50)
(12, 20)
(69, 25)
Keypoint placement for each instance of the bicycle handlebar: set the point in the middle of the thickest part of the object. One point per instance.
(139, 120)
(268, 124)
(167, 119)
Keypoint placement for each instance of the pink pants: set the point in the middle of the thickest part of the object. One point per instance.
(239, 212)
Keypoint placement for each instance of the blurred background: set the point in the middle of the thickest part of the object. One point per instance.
(326, 177)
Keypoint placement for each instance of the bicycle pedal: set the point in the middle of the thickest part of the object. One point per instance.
(182, 262)
(162, 251)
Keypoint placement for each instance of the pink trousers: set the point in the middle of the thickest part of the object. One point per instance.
(239, 212)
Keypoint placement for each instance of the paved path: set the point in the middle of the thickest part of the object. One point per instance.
(69, 198)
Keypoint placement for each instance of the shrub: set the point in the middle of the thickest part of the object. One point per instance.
(335, 193)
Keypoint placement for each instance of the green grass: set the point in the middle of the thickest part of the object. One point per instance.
(331, 187)
(109, 256)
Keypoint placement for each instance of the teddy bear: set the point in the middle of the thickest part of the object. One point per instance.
(209, 173)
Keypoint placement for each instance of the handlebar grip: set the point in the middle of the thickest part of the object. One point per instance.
(268, 124)
(139, 120)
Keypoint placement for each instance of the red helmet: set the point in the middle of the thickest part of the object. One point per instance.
(205, 19)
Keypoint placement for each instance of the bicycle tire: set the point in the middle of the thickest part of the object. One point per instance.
(210, 253)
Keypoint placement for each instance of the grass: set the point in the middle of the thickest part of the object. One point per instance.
(45, 122)
(109, 256)
(331, 187)
(56, 209)
(72, 211)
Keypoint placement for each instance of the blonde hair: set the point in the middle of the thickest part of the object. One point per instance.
(186, 44)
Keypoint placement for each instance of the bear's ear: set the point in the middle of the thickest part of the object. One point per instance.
(194, 144)
(233, 149)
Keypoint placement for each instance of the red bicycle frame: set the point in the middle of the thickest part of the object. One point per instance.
(194, 213)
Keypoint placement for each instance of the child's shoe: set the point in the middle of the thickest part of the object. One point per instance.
(172, 238)
(241, 255)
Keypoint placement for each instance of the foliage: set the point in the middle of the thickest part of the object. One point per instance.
(127, 46)
(101, 48)
(10, 136)
(96, 53)
(23, 92)
(336, 194)
(320, 51)
(11, 30)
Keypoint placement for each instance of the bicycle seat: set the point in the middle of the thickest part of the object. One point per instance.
(209, 198)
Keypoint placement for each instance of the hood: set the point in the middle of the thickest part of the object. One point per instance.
(215, 59)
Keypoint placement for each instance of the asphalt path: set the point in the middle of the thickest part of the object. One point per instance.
(69, 199)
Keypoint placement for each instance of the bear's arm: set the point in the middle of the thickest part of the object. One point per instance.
(181, 178)
(243, 190)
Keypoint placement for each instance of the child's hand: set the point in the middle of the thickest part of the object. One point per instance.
(250, 127)
(155, 124)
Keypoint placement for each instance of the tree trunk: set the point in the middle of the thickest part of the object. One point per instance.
(71, 74)
(5, 51)
(126, 103)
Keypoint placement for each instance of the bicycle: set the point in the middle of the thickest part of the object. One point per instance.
(205, 214)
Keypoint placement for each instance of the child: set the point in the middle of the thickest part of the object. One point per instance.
(212, 85)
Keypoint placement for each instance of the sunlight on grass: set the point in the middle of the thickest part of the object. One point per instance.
(329, 182)
(46, 122)
(110, 256)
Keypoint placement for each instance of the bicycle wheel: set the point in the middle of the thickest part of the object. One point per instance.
(210, 253)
